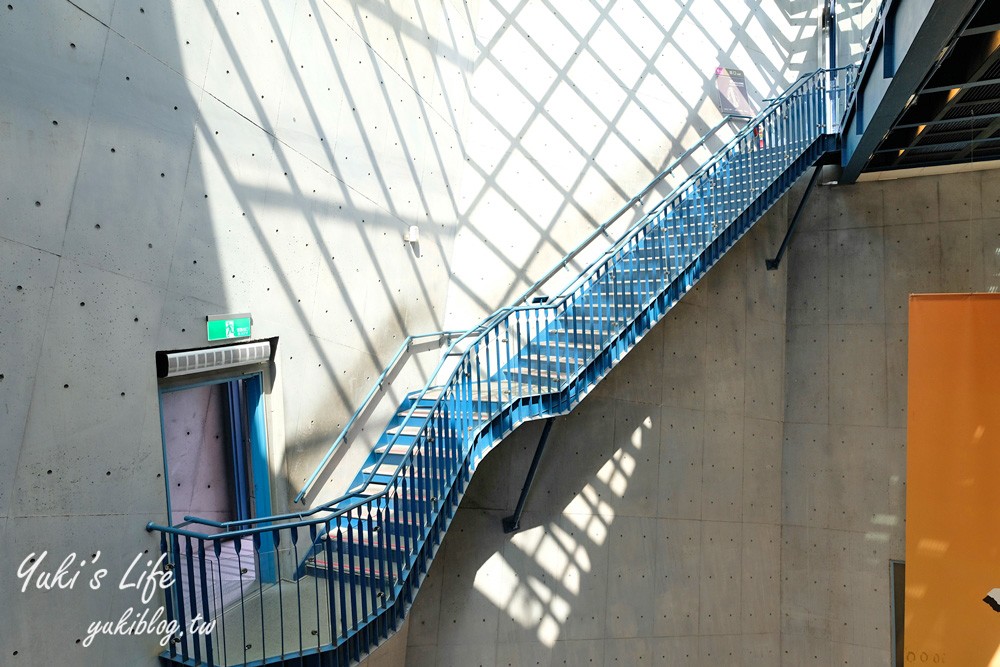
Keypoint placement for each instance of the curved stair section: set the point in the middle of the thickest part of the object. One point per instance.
(325, 586)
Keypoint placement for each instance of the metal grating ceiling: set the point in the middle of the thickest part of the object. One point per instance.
(954, 116)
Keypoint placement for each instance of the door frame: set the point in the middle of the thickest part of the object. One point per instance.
(259, 468)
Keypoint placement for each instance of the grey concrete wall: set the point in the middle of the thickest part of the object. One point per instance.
(198, 453)
(862, 250)
(575, 107)
(653, 532)
(723, 490)
(166, 161)
(855, 19)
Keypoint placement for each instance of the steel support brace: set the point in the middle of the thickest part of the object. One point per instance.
(512, 523)
(773, 264)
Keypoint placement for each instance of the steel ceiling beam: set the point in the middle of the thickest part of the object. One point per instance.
(923, 31)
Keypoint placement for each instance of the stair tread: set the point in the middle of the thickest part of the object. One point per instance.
(409, 429)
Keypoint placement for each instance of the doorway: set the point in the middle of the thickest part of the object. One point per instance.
(215, 450)
(216, 467)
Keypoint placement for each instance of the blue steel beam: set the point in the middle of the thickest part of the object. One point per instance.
(912, 35)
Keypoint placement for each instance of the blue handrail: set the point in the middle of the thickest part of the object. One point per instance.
(348, 568)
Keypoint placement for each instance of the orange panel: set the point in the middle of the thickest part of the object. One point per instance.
(953, 480)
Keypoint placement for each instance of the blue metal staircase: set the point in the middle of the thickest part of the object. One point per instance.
(326, 585)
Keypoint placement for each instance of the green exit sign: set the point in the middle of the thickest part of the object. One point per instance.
(222, 327)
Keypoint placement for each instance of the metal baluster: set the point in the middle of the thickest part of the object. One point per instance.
(179, 586)
(171, 561)
(368, 557)
(207, 615)
(255, 545)
(217, 549)
(351, 579)
(294, 536)
(192, 600)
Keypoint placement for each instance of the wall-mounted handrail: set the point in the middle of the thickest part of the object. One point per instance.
(404, 346)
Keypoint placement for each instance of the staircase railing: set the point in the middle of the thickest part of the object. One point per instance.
(334, 580)
(561, 265)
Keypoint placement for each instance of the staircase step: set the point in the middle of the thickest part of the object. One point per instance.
(420, 413)
(553, 359)
(375, 488)
(562, 345)
(319, 563)
(394, 450)
(579, 332)
(371, 489)
(367, 513)
(535, 371)
(410, 430)
(388, 470)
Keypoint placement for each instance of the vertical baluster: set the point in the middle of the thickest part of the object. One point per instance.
(351, 578)
(496, 352)
(368, 556)
(207, 614)
(255, 543)
(179, 586)
(535, 317)
(489, 373)
(192, 609)
(637, 245)
(404, 522)
(273, 541)
(395, 534)
(382, 551)
(238, 549)
(217, 575)
(641, 273)
(331, 540)
(520, 348)
(318, 532)
(562, 360)
(171, 561)
(508, 361)
(468, 401)
(294, 537)
(581, 354)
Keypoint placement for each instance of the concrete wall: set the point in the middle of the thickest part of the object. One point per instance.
(198, 454)
(855, 19)
(862, 250)
(652, 534)
(726, 496)
(167, 161)
(575, 107)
